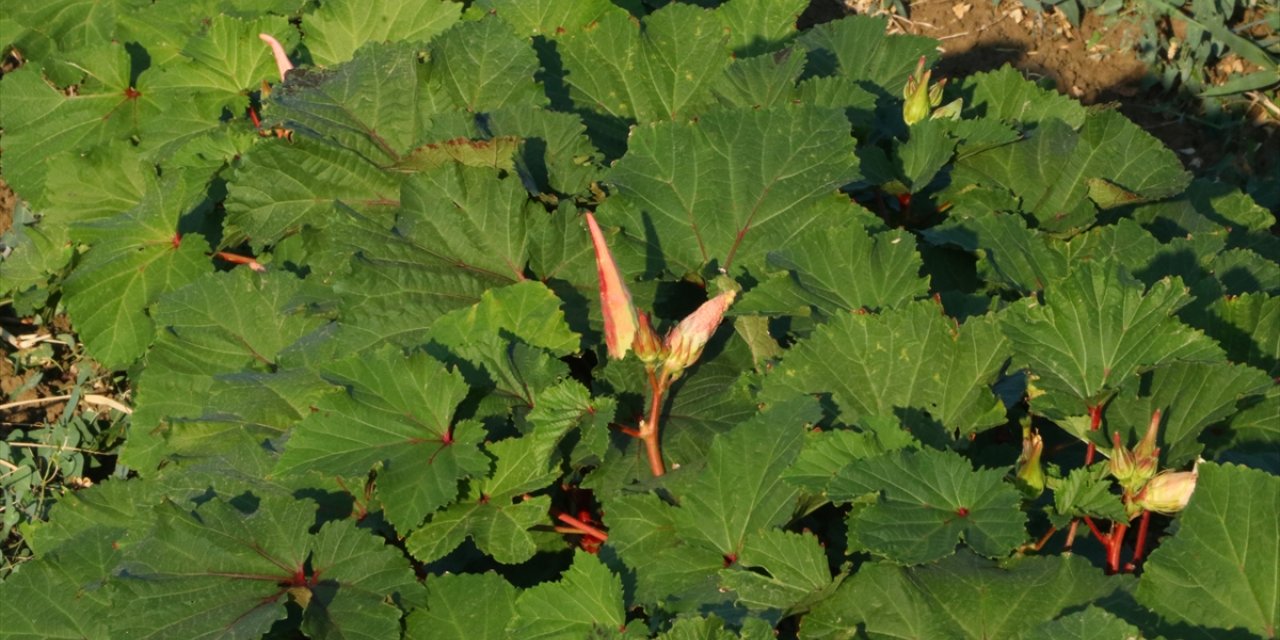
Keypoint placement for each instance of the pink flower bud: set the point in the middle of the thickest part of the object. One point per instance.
(647, 344)
(620, 322)
(1168, 492)
(686, 341)
(282, 60)
(1146, 448)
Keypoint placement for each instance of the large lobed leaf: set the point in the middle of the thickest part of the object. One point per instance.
(725, 190)
(912, 357)
(1097, 329)
(1222, 566)
(927, 500)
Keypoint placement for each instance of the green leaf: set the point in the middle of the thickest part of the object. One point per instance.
(481, 66)
(1222, 567)
(1257, 424)
(761, 81)
(224, 62)
(396, 413)
(1192, 396)
(962, 597)
(794, 571)
(41, 120)
(1096, 330)
(857, 48)
(1005, 95)
(464, 607)
(875, 364)
(394, 288)
(586, 600)
(237, 569)
(757, 27)
(840, 270)
(925, 153)
(730, 187)
(1009, 254)
(1088, 624)
(548, 18)
(512, 333)
(202, 334)
(1248, 327)
(500, 530)
(741, 490)
(368, 105)
(110, 180)
(64, 594)
(336, 29)
(1052, 169)
(825, 453)
(135, 259)
(1085, 492)
(280, 188)
(62, 26)
(927, 500)
(658, 69)
(1243, 271)
(470, 216)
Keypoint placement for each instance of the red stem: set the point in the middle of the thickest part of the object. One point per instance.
(1140, 546)
(649, 430)
(1113, 546)
(239, 259)
(1095, 422)
(583, 527)
(1045, 538)
(1096, 532)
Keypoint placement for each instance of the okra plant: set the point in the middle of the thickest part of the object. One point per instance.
(575, 319)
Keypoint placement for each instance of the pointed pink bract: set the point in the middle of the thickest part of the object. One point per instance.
(282, 60)
(620, 322)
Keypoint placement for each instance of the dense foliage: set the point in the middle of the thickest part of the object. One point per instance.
(371, 391)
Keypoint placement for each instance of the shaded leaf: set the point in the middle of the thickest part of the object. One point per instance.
(962, 597)
(587, 600)
(464, 607)
(794, 571)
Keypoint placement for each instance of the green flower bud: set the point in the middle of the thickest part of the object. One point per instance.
(916, 93)
(1030, 472)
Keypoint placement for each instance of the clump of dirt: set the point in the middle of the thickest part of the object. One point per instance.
(43, 367)
(7, 203)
